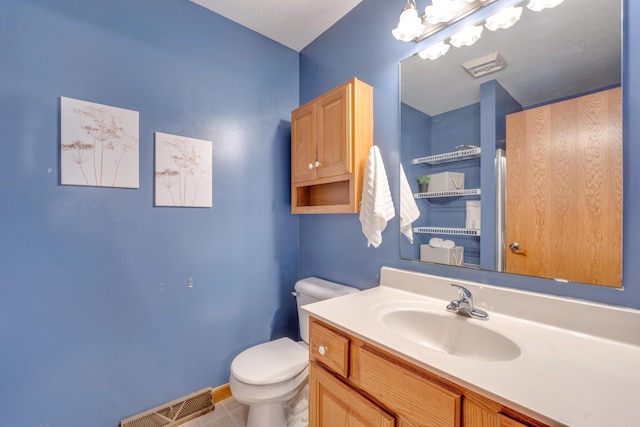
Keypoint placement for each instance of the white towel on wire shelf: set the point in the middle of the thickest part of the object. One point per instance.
(409, 211)
(376, 207)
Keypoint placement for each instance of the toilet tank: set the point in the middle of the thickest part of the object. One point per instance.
(313, 289)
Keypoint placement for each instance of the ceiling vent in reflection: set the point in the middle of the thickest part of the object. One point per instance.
(486, 64)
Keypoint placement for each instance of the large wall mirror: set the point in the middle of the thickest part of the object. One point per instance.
(524, 158)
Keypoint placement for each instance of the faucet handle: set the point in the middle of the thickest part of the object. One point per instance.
(453, 306)
(462, 291)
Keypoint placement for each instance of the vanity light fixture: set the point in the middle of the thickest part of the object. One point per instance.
(439, 15)
(441, 11)
(434, 51)
(538, 5)
(410, 24)
(504, 19)
(467, 37)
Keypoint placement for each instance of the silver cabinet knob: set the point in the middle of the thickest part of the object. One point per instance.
(318, 164)
(310, 166)
(323, 349)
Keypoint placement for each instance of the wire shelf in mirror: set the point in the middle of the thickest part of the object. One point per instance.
(451, 193)
(453, 156)
(447, 230)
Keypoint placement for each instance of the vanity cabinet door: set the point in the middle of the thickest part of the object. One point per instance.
(332, 403)
(474, 415)
(482, 412)
(504, 421)
(416, 400)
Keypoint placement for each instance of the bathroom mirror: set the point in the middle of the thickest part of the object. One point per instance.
(546, 58)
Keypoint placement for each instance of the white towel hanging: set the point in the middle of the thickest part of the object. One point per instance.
(409, 211)
(376, 207)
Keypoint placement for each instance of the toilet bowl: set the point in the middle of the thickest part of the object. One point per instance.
(267, 376)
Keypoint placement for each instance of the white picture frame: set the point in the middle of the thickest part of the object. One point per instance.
(99, 145)
(183, 171)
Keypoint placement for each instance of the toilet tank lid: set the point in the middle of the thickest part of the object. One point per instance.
(322, 289)
(270, 362)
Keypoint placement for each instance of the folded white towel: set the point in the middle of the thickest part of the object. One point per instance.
(409, 211)
(436, 242)
(448, 244)
(376, 207)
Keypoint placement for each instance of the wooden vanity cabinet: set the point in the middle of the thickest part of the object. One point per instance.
(337, 404)
(478, 411)
(353, 383)
(330, 141)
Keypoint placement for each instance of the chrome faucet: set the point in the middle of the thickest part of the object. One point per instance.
(464, 304)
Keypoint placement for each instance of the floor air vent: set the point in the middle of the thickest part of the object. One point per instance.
(175, 412)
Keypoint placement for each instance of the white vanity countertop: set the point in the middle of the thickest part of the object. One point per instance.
(579, 363)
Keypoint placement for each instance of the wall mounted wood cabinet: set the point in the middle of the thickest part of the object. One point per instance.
(352, 382)
(330, 141)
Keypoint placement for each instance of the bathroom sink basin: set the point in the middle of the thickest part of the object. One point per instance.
(452, 334)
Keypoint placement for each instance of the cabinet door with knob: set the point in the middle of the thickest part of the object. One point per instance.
(334, 128)
(304, 150)
(337, 404)
(320, 131)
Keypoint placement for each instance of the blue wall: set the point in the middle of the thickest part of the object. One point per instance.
(332, 246)
(416, 131)
(96, 320)
(423, 135)
(496, 104)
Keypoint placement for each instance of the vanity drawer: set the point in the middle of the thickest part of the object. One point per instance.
(414, 398)
(329, 347)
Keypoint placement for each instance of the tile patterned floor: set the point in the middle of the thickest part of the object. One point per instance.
(228, 413)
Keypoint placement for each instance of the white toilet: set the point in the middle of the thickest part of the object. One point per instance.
(267, 376)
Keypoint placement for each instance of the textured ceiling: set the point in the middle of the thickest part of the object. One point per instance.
(293, 23)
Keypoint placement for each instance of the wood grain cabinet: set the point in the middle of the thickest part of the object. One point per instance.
(354, 383)
(330, 141)
(337, 404)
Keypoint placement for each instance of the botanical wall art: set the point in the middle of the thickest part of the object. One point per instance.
(183, 171)
(99, 144)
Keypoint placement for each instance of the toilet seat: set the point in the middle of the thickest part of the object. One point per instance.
(270, 362)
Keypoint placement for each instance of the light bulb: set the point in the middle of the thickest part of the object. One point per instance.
(409, 26)
(504, 19)
(434, 51)
(441, 11)
(538, 5)
(467, 37)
